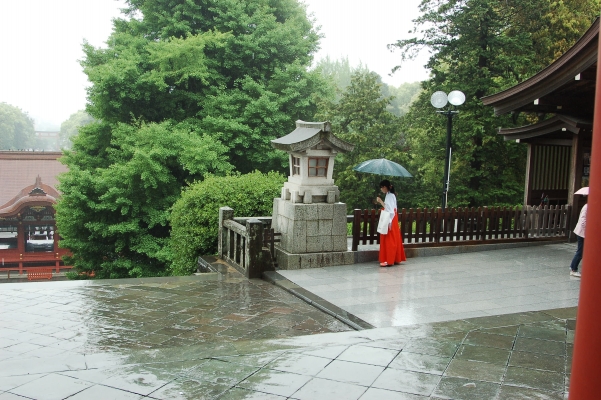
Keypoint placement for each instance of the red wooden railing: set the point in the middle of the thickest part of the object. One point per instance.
(12, 260)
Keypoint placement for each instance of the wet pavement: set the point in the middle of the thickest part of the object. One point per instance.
(219, 336)
(447, 287)
(117, 315)
(517, 356)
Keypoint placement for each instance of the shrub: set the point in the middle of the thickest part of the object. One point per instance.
(195, 216)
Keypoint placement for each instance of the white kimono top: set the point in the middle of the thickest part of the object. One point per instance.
(390, 204)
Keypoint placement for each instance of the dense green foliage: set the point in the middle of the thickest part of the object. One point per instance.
(401, 97)
(183, 89)
(361, 117)
(16, 128)
(114, 211)
(237, 71)
(71, 126)
(195, 218)
(191, 90)
(339, 72)
(481, 47)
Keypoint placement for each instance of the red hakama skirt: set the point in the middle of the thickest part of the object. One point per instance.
(391, 244)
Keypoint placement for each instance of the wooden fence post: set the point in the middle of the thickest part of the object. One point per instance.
(410, 221)
(403, 226)
(437, 225)
(373, 225)
(356, 229)
(482, 216)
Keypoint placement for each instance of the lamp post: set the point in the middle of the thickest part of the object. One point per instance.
(439, 100)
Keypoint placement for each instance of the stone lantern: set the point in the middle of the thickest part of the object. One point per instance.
(308, 213)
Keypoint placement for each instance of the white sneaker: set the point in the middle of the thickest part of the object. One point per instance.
(575, 273)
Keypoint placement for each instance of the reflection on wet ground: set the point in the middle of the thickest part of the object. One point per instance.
(221, 336)
(448, 287)
(91, 317)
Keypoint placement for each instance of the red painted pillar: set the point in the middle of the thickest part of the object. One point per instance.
(586, 364)
(21, 240)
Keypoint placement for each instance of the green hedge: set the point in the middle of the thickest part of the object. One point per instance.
(195, 216)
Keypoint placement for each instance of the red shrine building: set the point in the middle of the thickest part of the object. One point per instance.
(28, 236)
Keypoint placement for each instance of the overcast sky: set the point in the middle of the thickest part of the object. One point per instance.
(41, 40)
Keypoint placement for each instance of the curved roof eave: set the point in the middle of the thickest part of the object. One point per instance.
(310, 134)
(559, 124)
(48, 191)
(563, 70)
(14, 208)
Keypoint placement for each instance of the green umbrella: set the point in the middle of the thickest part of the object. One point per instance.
(382, 166)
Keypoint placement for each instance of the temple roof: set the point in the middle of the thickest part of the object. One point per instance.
(20, 171)
(310, 134)
(567, 86)
(558, 130)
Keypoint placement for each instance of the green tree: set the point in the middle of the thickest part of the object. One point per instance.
(182, 87)
(402, 97)
(16, 128)
(339, 73)
(361, 117)
(195, 217)
(479, 47)
(236, 70)
(71, 126)
(115, 206)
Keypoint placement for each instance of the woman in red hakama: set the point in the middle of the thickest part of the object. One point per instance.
(391, 245)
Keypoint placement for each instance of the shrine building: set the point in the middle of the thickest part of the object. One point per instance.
(28, 236)
(562, 96)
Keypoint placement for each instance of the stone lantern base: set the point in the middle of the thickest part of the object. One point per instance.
(288, 261)
(309, 229)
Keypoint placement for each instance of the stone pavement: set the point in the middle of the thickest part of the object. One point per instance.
(517, 356)
(222, 337)
(447, 287)
(121, 315)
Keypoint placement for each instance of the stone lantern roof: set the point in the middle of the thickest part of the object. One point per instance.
(309, 135)
(311, 149)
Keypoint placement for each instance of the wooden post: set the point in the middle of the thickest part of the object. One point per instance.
(430, 215)
(437, 223)
(575, 181)
(529, 173)
(21, 240)
(365, 222)
(410, 223)
(484, 223)
(421, 225)
(403, 224)
(517, 219)
(586, 364)
(356, 229)
(373, 225)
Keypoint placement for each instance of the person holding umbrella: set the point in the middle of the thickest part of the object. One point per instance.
(391, 244)
(579, 231)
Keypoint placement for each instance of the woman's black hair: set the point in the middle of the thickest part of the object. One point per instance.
(388, 185)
